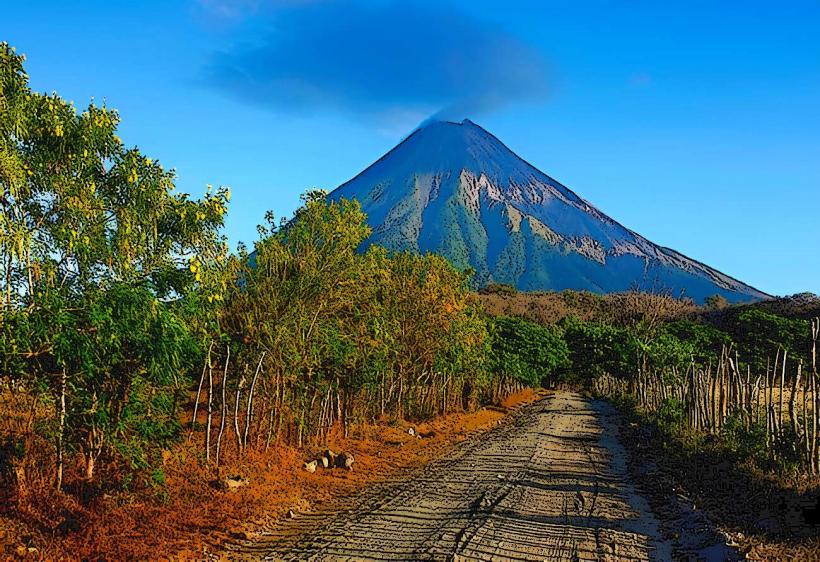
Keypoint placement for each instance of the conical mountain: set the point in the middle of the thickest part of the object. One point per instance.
(455, 189)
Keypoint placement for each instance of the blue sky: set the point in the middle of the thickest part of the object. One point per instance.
(694, 123)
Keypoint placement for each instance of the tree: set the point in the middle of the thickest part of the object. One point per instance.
(527, 352)
(92, 234)
(300, 285)
(705, 341)
(761, 334)
(716, 302)
(597, 348)
(426, 304)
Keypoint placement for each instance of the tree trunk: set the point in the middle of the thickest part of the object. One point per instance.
(793, 399)
(199, 389)
(60, 433)
(224, 409)
(236, 399)
(249, 411)
(210, 413)
(782, 396)
(89, 467)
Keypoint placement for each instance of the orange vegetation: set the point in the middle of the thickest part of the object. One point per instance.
(188, 516)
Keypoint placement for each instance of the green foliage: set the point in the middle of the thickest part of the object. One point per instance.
(671, 415)
(96, 245)
(704, 342)
(528, 352)
(760, 334)
(746, 442)
(597, 348)
(335, 322)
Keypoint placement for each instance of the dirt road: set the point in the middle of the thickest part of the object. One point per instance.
(548, 483)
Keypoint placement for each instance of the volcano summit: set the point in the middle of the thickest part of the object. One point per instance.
(456, 190)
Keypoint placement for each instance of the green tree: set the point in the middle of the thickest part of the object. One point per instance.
(527, 352)
(596, 348)
(91, 232)
(760, 334)
(705, 341)
(296, 292)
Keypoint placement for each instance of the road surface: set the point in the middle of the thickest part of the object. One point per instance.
(548, 483)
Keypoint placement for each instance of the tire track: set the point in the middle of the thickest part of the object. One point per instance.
(548, 483)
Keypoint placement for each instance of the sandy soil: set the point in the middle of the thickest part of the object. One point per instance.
(548, 483)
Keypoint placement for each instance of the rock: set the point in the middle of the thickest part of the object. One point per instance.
(324, 462)
(233, 482)
(345, 460)
(310, 466)
(331, 457)
(290, 514)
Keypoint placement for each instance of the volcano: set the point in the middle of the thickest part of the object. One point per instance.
(454, 189)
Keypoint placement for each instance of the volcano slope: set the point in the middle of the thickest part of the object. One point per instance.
(548, 483)
(456, 190)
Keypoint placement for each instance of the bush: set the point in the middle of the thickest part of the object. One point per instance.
(671, 415)
(525, 351)
(597, 348)
(749, 443)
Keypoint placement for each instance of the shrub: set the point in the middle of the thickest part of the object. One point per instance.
(525, 351)
(671, 415)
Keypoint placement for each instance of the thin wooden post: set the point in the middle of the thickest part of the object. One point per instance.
(815, 332)
(199, 388)
(210, 413)
(224, 410)
(782, 395)
(767, 394)
(793, 398)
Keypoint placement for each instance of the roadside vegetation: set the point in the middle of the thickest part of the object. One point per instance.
(130, 335)
(720, 402)
(740, 373)
(136, 347)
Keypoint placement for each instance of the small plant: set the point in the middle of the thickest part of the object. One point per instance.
(671, 416)
(158, 477)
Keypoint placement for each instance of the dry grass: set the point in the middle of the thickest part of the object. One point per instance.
(188, 516)
(549, 308)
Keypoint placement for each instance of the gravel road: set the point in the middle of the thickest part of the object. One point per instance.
(548, 483)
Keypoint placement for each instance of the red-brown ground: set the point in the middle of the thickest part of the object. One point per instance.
(188, 516)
